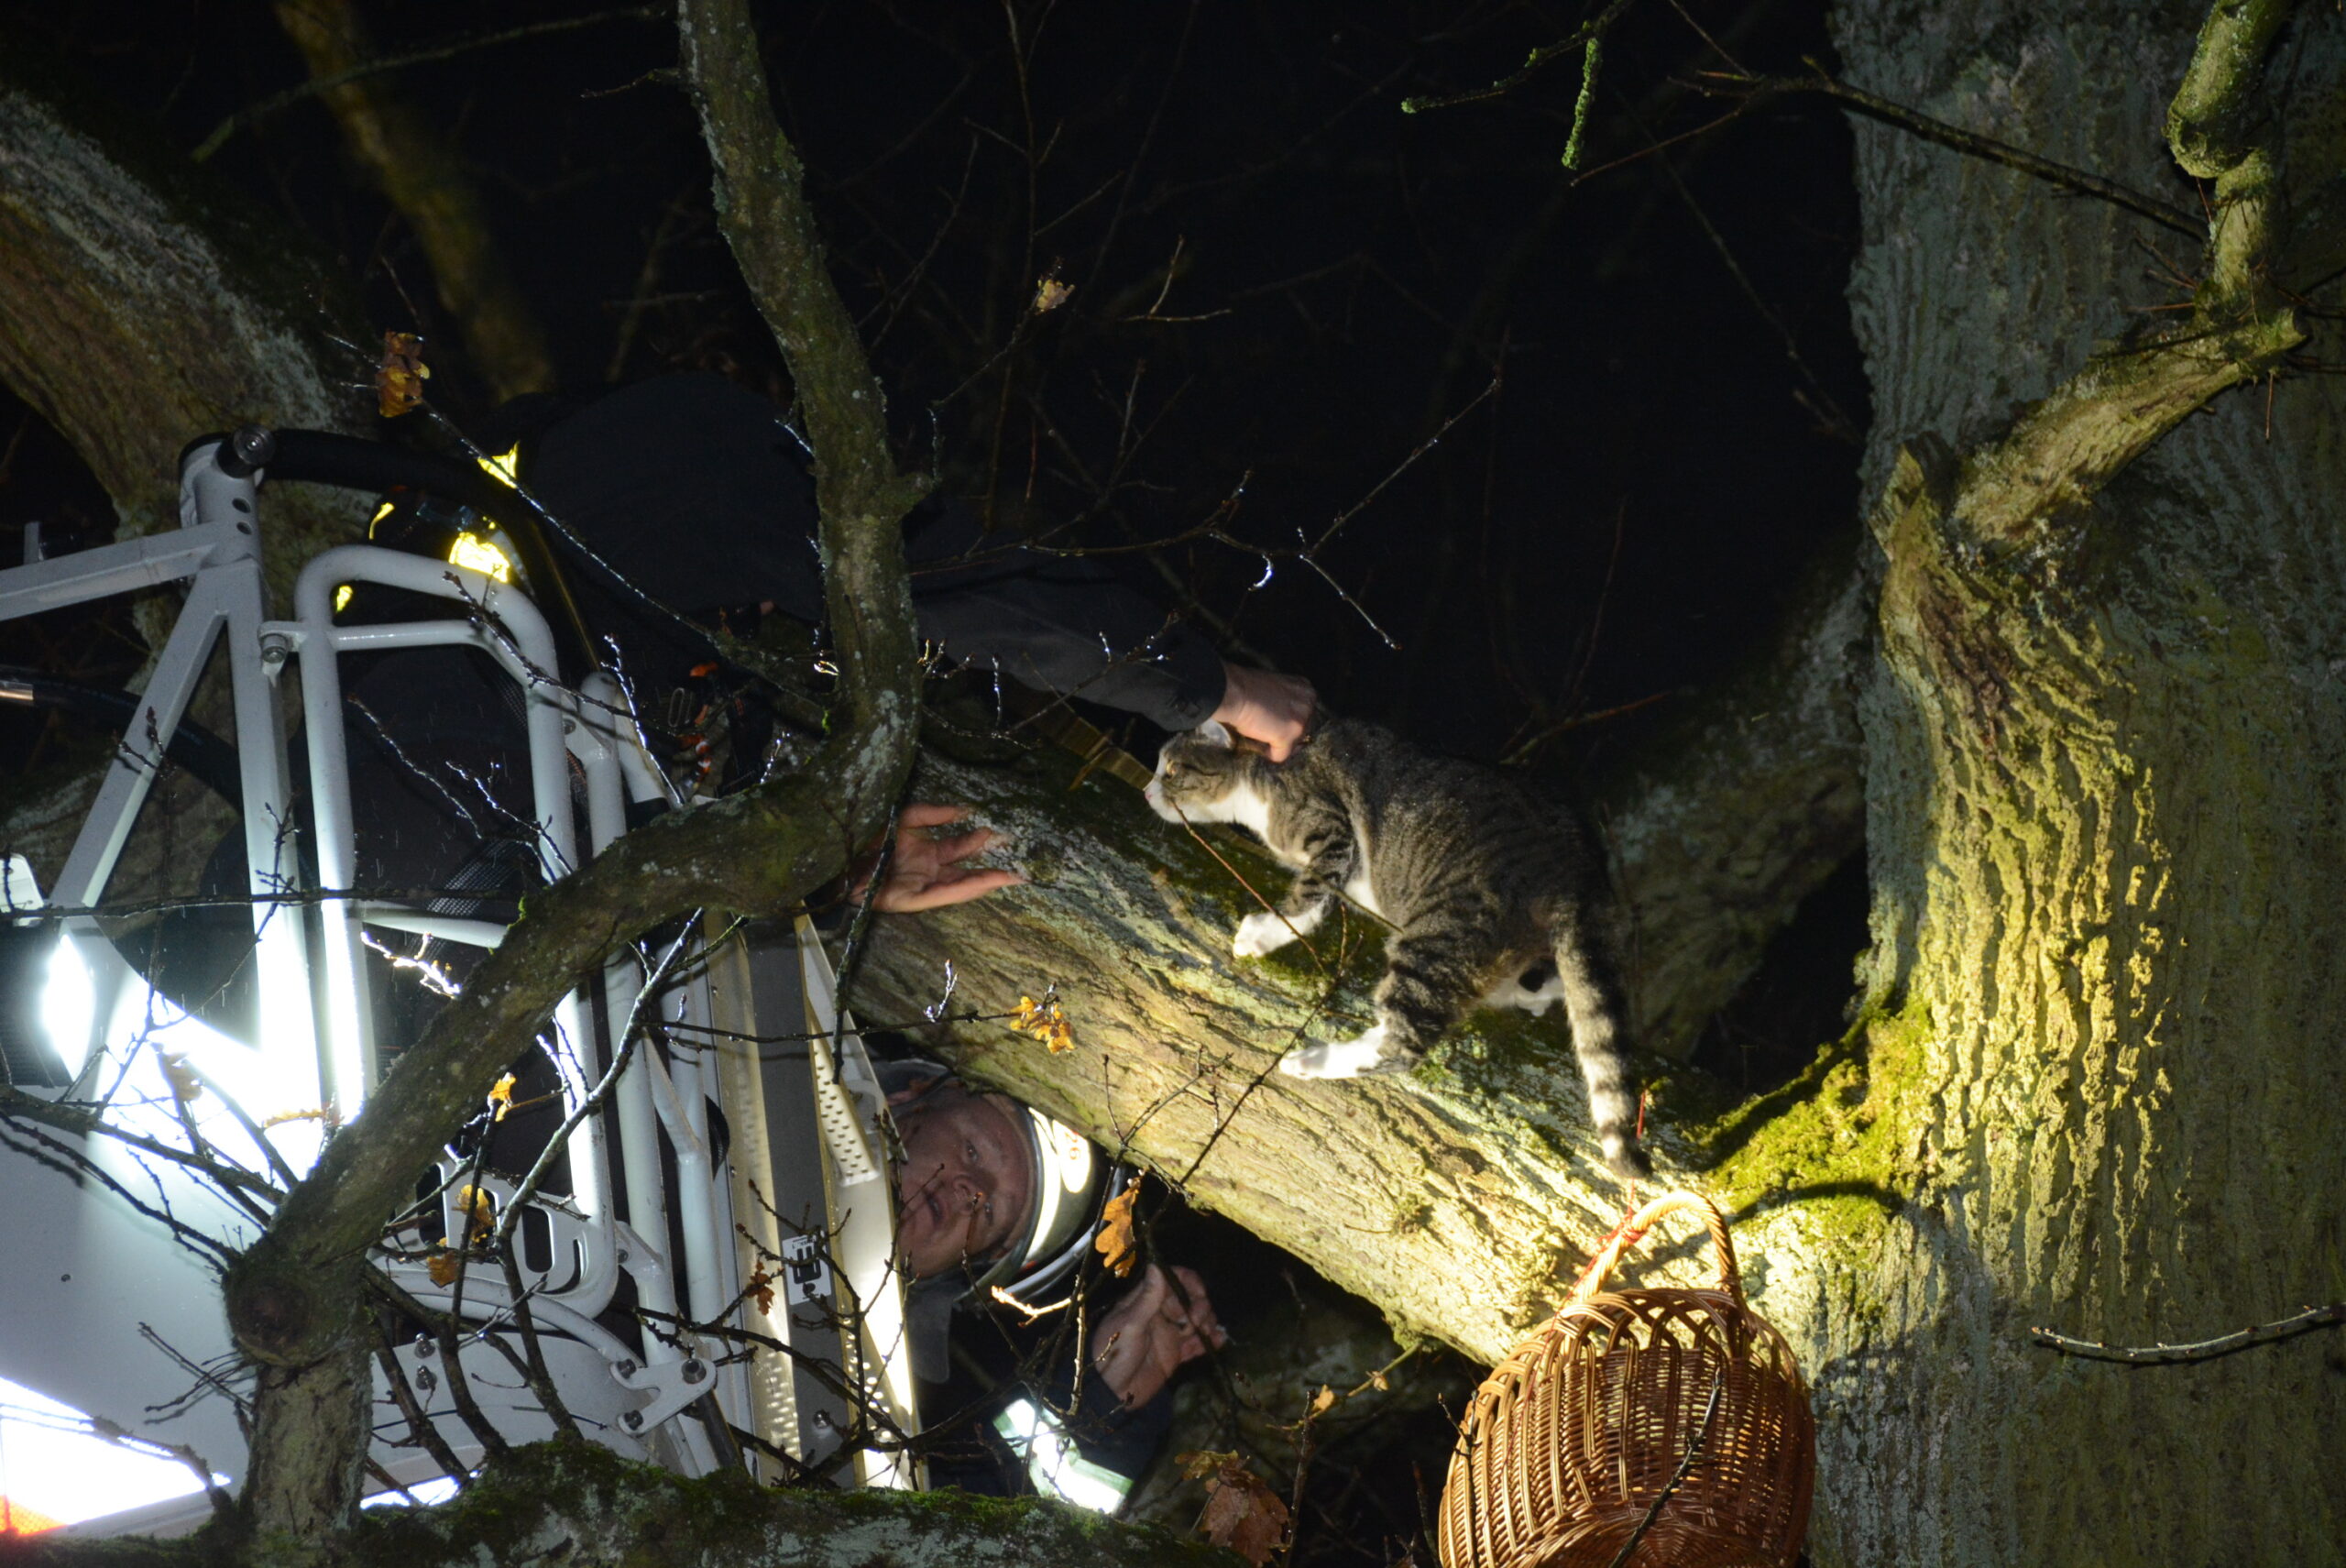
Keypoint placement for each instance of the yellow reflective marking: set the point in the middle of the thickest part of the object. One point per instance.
(475, 554)
(504, 469)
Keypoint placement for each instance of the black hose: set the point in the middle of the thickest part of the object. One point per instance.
(211, 761)
(324, 458)
(349, 461)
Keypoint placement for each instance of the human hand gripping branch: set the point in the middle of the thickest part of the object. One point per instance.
(929, 872)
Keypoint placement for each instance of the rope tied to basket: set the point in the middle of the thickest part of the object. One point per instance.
(1639, 1428)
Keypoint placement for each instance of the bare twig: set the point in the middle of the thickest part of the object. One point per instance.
(1890, 113)
(2304, 1322)
(1685, 1468)
(1589, 32)
(253, 113)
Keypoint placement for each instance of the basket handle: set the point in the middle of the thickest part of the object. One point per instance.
(1629, 1235)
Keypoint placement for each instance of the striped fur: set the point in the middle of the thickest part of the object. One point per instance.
(1496, 897)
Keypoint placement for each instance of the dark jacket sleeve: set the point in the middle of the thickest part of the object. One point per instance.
(1057, 623)
(691, 490)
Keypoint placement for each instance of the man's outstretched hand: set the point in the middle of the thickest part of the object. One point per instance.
(928, 871)
(1153, 1331)
(1272, 708)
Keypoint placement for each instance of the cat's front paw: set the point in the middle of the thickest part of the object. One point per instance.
(1372, 1052)
(1261, 932)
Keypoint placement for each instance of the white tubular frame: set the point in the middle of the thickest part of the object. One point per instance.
(217, 552)
(316, 1030)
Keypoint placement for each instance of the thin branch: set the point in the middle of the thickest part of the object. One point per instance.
(1685, 1467)
(1914, 122)
(253, 113)
(2305, 1322)
(1589, 32)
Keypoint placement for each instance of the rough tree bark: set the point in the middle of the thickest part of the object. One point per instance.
(2104, 745)
(2094, 1080)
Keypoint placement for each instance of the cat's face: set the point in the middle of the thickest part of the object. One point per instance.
(1201, 778)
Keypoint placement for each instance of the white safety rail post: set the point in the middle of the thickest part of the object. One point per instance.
(508, 627)
(606, 716)
(525, 649)
(848, 1105)
(217, 552)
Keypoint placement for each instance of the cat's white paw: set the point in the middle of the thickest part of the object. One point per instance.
(1342, 1059)
(1261, 932)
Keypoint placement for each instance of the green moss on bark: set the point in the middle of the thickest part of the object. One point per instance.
(1836, 1138)
(587, 1506)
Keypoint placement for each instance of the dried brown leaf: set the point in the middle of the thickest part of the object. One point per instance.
(399, 378)
(1241, 1513)
(479, 1210)
(1116, 1244)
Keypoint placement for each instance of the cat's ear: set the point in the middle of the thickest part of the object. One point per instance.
(1212, 732)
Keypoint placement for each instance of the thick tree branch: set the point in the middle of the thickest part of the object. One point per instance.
(1741, 805)
(761, 205)
(291, 1297)
(143, 301)
(1459, 1198)
(422, 175)
(2040, 478)
(2218, 129)
(585, 1507)
(2217, 110)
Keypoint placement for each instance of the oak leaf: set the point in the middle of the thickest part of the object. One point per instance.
(501, 1096)
(444, 1267)
(399, 379)
(1241, 1513)
(1116, 1244)
(1046, 1020)
(479, 1210)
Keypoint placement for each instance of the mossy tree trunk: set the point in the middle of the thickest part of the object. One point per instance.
(2104, 744)
(2096, 1083)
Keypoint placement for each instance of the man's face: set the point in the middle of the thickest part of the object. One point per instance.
(965, 1185)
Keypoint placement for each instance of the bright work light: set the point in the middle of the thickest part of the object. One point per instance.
(48, 1006)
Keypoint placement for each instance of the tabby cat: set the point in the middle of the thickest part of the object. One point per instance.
(1495, 897)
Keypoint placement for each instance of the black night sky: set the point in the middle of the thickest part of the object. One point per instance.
(1678, 396)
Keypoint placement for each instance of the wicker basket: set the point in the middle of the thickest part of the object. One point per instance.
(1570, 1442)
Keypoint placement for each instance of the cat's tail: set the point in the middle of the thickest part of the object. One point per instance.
(1597, 1004)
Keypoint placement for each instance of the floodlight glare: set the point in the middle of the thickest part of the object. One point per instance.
(69, 1005)
(48, 1006)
